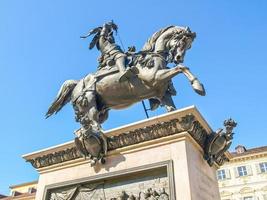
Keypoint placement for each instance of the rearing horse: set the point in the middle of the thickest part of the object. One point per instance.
(94, 95)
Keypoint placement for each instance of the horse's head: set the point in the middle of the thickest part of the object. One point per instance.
(172, 41)
(179, 42)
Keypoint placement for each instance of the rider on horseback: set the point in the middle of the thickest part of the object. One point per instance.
(111, 53)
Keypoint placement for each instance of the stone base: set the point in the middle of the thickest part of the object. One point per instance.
(160, 157)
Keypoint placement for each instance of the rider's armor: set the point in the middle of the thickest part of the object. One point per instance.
(111, 53)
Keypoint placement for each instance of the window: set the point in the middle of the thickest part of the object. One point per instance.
(221, 174)
(15, 193)
(31, 190)
(248, 198)
(263, 167)
(242, 171)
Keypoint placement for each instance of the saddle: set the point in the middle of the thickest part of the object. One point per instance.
(104, 71)
(107, 67)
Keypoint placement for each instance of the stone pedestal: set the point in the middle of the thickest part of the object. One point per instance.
(160, 157)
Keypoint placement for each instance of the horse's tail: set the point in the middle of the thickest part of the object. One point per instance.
(63, 97)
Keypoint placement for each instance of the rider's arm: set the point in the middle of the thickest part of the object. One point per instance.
(103, 35)
(105, 30)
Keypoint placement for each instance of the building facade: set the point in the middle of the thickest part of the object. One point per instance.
(25, 191)
(244, 177)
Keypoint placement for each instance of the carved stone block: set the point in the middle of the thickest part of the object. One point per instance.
(141, 185)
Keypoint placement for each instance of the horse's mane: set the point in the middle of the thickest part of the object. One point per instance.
(150, 44)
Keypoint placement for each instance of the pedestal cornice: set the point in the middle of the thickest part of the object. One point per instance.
(131, 136)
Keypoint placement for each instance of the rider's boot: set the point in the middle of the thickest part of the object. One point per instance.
(125, 74)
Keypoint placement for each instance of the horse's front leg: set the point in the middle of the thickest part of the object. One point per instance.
(148, 74)
(165, 75)
(167, 102)
(197, 86)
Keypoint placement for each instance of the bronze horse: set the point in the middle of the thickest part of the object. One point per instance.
(94, 95)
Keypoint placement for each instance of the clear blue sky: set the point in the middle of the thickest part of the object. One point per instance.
(40, 48)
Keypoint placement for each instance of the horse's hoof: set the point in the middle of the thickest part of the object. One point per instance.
(198, 87)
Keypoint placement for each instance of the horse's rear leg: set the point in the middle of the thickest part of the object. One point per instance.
(88, 115)
(86, 111)
(103, 116)
(196, 84)
(93, 116)
(168, 103)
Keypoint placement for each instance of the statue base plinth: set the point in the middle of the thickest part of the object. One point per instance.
(160, 157)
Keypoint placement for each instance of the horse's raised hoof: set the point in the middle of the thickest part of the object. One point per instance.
(198, 87)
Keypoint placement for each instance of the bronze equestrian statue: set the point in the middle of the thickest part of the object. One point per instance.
(125, 78)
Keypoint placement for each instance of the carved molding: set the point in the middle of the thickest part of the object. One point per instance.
(143, 134)
(175, 126)
(55, 158)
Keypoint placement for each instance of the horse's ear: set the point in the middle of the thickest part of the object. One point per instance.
(187, 29)
(194, 35)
